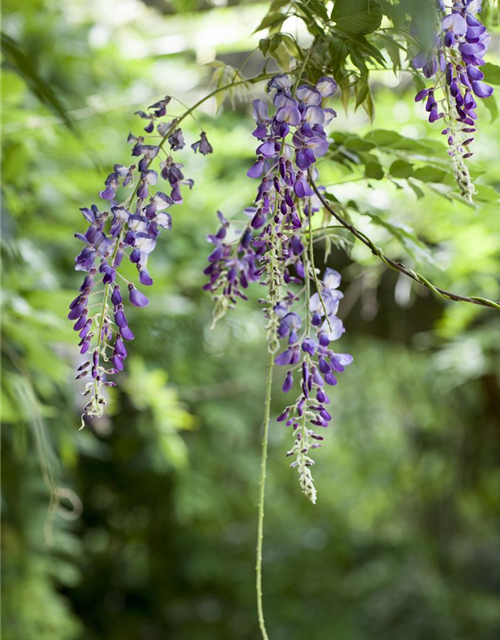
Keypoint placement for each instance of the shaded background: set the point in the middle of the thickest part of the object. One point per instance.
(405, 540)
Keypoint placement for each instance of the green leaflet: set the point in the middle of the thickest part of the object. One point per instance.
(491, 73)
(357, 17)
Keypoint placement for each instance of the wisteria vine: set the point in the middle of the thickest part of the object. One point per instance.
(272, 246)
(275, 249)
(459, 51)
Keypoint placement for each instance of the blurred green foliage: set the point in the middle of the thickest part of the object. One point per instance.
(404, 541)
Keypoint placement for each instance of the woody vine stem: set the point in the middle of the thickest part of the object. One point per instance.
(262, 490)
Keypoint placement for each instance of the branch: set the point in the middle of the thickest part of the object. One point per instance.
(399, 266)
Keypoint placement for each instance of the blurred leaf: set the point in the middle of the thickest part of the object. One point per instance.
(374, 170)
(492, 106)
(429, 174)
(403, 234)
(491, 73)
(401, 169)
(362, 92)
(272, 20)
(26, 68)
(486, 193)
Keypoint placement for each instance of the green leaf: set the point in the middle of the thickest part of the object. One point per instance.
(359, 46)
(317, 7)
(264, 44)
(338, 51)
(401, 169)
(282, 57)
(291, 46)
(354, 143)
(357, 17)
(374, 170)
(345, 92)
(416, 189)
(393, 49)
(369, 106)
(26, 68)
(492, 106)
(385, 138)
(278, 4)
(362, 92)
(312, 26)
(486, 193)
(491, 73)
(274, 19)
(429, 174)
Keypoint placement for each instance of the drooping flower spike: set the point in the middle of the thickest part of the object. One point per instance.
(461, 44)
(129, 228)
(317, 366)
(274, 249)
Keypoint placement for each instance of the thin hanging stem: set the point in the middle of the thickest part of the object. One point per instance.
(267, 416)
(263, 473)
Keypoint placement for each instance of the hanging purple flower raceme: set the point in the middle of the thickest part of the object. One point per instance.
(130, 228)
(310, 358)
(290, 142)
(273, 249)
(461, 44)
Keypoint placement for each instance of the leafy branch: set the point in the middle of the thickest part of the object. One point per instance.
(399, 266)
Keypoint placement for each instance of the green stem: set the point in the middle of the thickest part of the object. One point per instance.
(263, 467)
(399, 266)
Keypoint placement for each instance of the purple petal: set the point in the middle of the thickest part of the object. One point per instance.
(288, 383)
(326, 86)
(256, 169)
(284, 358)
(260, 111)
(127, 333)
(481, 89)
(455, 23)
(137, 298)
(308, 95)
(289, 114)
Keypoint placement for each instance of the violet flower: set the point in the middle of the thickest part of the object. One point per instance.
(462, 42)
(290, 142)
(273, 249)
(130, 228)
(317, 366)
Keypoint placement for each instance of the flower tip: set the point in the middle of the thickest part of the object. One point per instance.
(137, 298)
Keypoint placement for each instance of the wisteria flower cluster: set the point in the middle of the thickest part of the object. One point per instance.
(275, 250)
(311, 356)
(456, 60)
(130, 227)
(252, 255)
